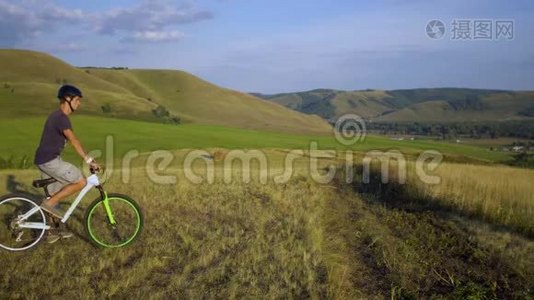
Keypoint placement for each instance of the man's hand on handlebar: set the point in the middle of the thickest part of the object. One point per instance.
(93, 165)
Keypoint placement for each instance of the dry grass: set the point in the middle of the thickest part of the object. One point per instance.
(215, 240)
(498, 194)
(298, 239)
(422, 241)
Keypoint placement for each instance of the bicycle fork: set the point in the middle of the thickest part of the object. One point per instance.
(109, 212)
(107, 207)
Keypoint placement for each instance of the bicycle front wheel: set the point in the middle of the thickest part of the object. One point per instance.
(22, 222)
(116, 225)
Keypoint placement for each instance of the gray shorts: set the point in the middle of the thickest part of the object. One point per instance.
(64, 172)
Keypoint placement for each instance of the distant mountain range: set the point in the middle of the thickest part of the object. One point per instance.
(29, 81)
(412, 105)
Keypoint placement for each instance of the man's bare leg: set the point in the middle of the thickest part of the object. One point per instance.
(66, 191)
(49, 206)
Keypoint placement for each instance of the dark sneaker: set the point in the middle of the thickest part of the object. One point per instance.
(52, 238)
(53, 210)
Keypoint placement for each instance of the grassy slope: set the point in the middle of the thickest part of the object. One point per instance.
(203, 102)
(29, 80)
(366, 104)
(501, 107)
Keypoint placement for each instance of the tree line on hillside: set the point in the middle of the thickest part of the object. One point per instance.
(515, 129)
(105, 68)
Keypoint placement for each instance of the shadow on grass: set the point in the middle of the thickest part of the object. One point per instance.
(75, 222)
(410, 199)
(14, 186)
(420, 248)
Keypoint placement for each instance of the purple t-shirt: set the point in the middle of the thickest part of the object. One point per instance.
(52, 140)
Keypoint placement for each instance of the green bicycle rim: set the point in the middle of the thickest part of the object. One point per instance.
(138, 226)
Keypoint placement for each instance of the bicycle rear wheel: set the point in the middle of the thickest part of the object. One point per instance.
(13, 237)
(127, 218)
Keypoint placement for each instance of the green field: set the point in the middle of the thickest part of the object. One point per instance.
(21, 137)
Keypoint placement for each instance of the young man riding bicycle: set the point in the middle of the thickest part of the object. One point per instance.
(56, 132)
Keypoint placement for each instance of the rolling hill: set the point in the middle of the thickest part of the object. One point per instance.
(29, 81)
(413, 105)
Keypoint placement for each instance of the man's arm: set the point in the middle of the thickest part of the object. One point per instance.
(69, 134)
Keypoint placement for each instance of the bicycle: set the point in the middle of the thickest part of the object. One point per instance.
(111, 221)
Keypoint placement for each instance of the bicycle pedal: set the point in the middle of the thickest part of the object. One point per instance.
(19, 235)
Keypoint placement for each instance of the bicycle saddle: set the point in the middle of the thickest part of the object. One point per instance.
(43, 182)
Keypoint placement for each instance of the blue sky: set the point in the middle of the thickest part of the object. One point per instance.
(280, 46)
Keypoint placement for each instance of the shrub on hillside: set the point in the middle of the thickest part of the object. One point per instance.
(163, 113)
(106, 108)
(524, 160)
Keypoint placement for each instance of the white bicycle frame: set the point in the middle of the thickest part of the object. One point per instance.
(92, 181)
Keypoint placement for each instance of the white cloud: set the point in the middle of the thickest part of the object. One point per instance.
(148, 21)
(25, 19)
(155, 36)
(148, 16)
(53, 12)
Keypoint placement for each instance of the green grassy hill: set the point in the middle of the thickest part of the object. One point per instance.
(194, 99)
(414, 105)
(29, 81)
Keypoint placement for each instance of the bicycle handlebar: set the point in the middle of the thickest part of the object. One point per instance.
(97, 170)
